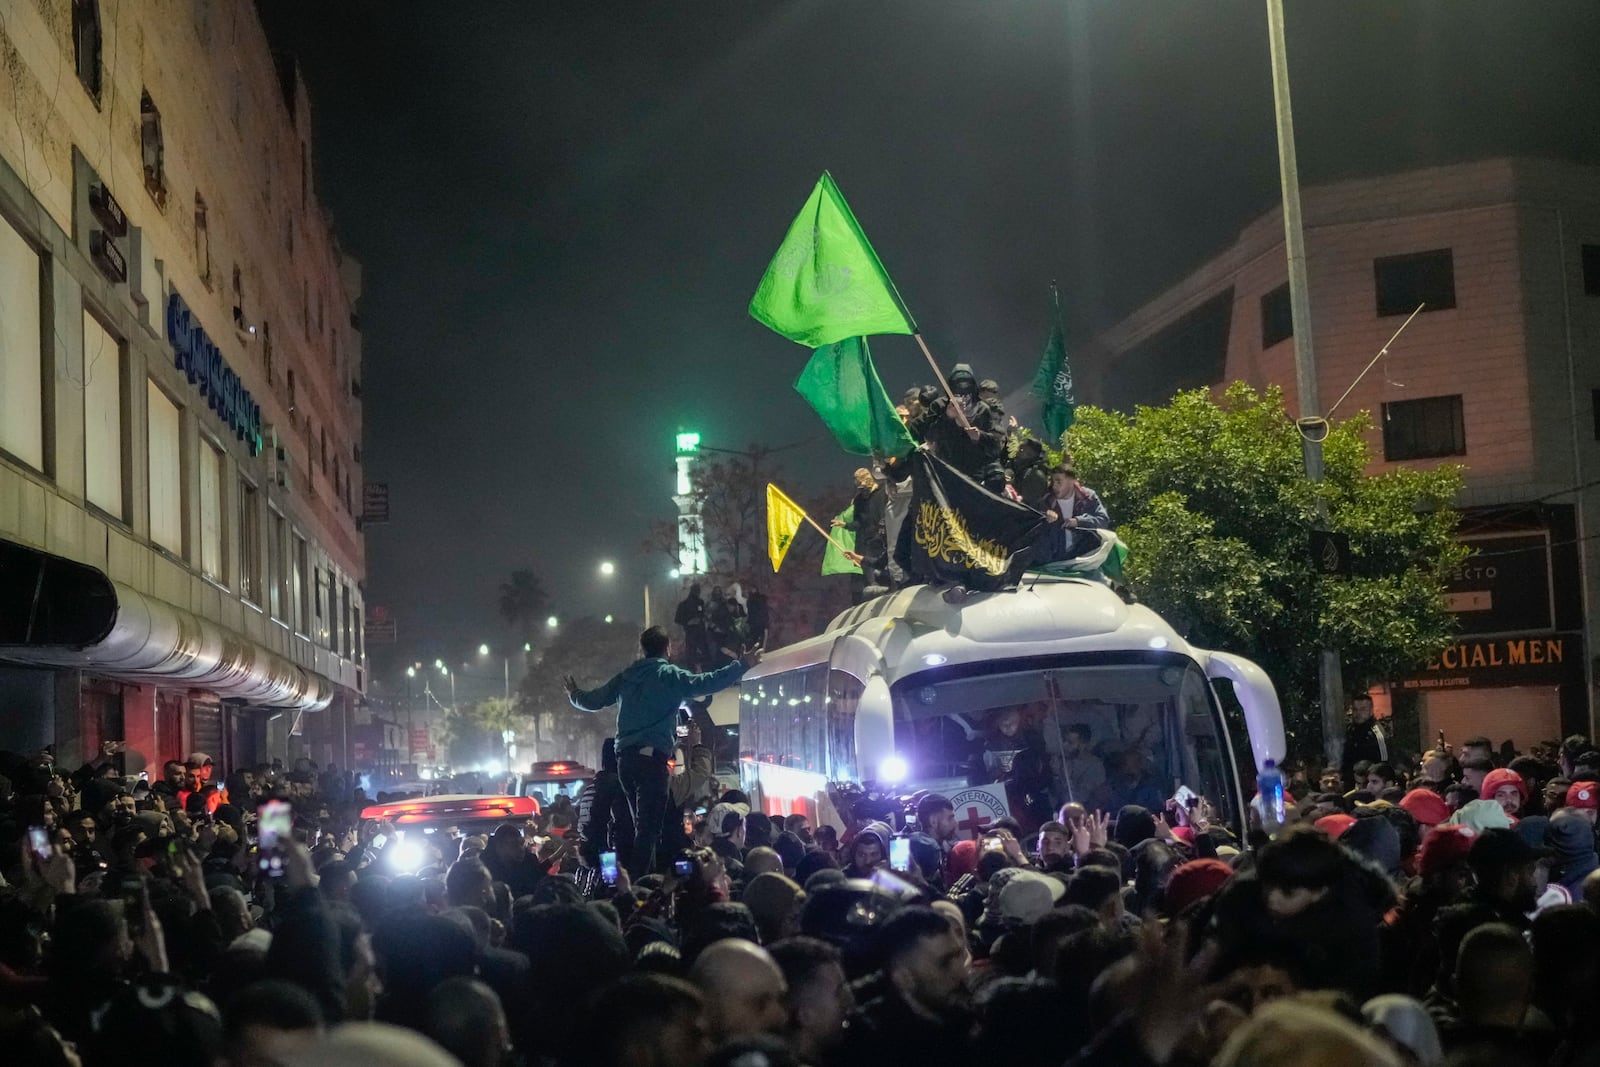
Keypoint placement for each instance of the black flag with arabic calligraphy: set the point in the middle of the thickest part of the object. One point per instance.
(958, 532)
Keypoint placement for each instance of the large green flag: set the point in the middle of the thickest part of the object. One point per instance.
(1052, 382)
(843, 386)
(834, 560)
(825, 283)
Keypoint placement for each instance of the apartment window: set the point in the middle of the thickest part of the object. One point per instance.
(151, 148)
(335, 630)
(288, 235)
(344, 621)
(249, 542)
(21, 350)
(202, 239)
(1403, 282)
(165, 460)
(290, 376)
(238, 300)
(299, 569)
(305, 306)
(266, 351)
(102, 418)
(323, 433)
(277, 572)
(1424, 429)
(86, 44)
(212, 464)
(1277, 320)
(1591, 269)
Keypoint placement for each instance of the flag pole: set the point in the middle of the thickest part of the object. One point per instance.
(829, 536)
(938, 376)
(894, 292)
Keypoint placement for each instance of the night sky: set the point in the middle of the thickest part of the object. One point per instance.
(563, 207)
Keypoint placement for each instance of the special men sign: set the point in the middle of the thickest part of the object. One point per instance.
(1514, 659)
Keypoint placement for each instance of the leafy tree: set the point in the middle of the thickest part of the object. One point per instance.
(591, 651)
(731, 491)
(1211, 497)
(523, 603)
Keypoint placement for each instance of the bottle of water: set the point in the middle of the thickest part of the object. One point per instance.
(1269, 790)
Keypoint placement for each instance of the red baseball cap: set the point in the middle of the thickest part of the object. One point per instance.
(1443, 847)
(1425, 806)
(1583, 795)
(1335, 825)
(1499, 777)
(1193, 881)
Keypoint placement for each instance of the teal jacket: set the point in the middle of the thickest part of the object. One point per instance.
(650, 691)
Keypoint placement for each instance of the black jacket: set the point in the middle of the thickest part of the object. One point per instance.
(867, 524)
(886, 1031)
(951, 442)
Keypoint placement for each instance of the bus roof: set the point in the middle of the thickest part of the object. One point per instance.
(921, 626)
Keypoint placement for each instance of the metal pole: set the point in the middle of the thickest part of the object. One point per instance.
(1313, 429)
(507, 662)
(647, 607)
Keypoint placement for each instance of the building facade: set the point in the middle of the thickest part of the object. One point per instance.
(181, 563)
(1500, 372)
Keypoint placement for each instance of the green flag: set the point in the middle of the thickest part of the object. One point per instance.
(1052, 382)
(842, 385)
(833, 558)
(825, 283)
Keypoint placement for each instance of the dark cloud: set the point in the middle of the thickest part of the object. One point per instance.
(563, 208)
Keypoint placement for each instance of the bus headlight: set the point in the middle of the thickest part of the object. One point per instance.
(893, 770)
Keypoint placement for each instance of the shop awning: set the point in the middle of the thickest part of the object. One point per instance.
(58, 613)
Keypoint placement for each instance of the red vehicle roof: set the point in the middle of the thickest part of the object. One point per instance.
(450, 808)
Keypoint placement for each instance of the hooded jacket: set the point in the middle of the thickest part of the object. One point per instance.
(1570, 839)
(649, 692)
(950, 440)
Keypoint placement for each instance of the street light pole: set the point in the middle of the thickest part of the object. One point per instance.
(1313, 428)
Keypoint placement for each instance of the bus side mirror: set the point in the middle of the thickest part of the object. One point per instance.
(1263, 718)
(874, 727)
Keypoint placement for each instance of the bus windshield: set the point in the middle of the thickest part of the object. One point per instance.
(1103, 735)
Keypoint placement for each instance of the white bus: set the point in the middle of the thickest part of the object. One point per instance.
(1060, 690)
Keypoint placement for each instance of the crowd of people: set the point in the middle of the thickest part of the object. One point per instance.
(1440, 912)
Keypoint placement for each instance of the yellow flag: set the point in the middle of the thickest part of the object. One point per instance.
(784, 517)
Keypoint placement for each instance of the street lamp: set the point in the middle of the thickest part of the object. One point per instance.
(483, 650)
(608, 568)
(552, 622)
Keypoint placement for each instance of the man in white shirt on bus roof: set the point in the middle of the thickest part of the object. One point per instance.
(1070, 507)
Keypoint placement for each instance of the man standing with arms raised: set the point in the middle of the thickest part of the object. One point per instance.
(650, 691)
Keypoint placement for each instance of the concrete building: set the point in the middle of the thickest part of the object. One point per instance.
(1500, 373)
(180, 415)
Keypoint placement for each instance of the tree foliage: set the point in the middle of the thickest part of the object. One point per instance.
(523, 602)
(591, 651)
(1211, 497)
(731, 492)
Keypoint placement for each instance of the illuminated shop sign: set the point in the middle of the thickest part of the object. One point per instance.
(195, 354)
